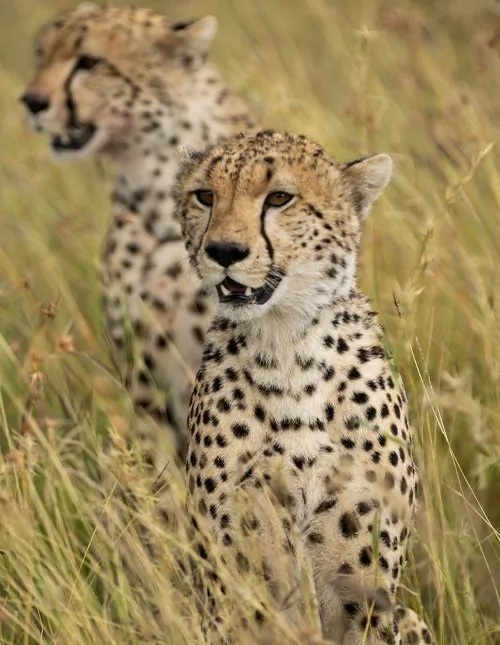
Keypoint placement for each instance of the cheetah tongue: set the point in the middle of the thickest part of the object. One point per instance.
(231, 287)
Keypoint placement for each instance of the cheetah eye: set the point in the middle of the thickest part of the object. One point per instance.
(278, 198)
(87, 63)
(204, 197)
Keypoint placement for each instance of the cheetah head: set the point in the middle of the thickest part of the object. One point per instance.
(106, 75)
(273, 223)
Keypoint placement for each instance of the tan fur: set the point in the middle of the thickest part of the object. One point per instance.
(150, 91)
(297, 403)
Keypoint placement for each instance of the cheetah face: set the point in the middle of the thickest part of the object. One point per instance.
(273, 223)
(106, 75)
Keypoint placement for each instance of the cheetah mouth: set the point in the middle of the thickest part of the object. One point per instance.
(75, 139)
(235, 293)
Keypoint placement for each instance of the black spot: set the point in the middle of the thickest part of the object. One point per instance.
(133, 247)
(202, 552)
(348, 443)
(363, 508)
(220, 462)
(223, 405)
(240, 430)
(174, 270)
(351, 609)
(161, 342)
(349, 525)
(370, 413)
(217, 384)
(383, 563)
(221, 440)
(360, 397)
(299, 462)
(352, 423)
(353, 374)
(365, 556)
(329, 411)
(304, 363)
(393, 458)
(328, 373)
(328, 341)
(342, 346)
(325, 505)
(232, 374)
(315, 537)
(259, 413)
(232, 347)
(210, 485)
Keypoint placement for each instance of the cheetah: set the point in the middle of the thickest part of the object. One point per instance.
(132, 85)
(297, 405)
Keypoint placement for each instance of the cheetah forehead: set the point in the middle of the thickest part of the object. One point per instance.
(115, 31)
(287, 154)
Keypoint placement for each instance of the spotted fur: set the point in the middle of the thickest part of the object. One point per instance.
(134, 85)
(297, 406)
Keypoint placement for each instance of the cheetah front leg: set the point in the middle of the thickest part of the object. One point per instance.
(356, 541)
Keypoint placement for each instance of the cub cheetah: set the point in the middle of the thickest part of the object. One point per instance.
(297, 403)
(131, 84)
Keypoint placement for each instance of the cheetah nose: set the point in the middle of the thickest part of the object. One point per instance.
(226, 253)
(34, 102)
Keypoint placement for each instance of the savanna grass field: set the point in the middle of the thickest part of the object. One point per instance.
(418, 80)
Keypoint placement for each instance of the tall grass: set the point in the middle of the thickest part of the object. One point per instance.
(419, 80)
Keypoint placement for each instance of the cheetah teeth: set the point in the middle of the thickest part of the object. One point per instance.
(227, 292)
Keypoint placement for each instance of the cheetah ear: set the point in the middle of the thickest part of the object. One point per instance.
(187, 157)
(195, 36)
(368, 177)
(183, 154)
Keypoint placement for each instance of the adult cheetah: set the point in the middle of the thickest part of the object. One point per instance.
(131, 84)
(297, 405)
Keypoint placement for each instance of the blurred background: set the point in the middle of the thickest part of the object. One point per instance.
(419, 80)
